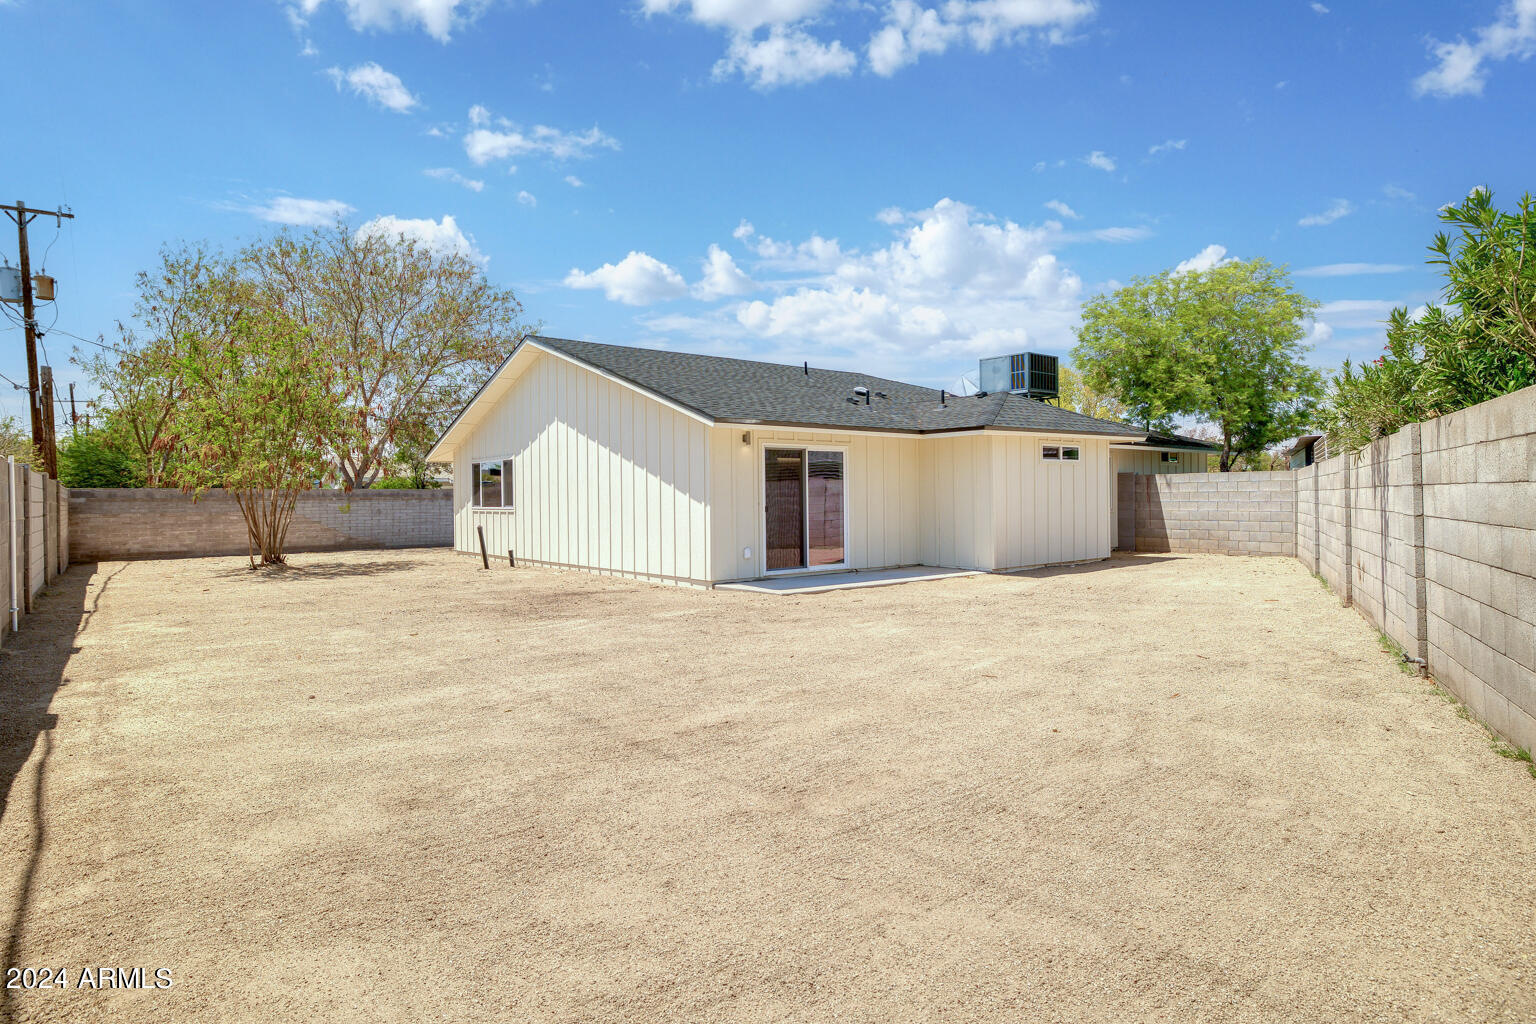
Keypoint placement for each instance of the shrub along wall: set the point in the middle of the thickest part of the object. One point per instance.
(124, 523)
(39, 520)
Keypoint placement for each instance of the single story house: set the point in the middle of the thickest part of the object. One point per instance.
(696, 469)
(1306, 449)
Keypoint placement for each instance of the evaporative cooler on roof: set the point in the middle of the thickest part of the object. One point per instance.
(1024, 373)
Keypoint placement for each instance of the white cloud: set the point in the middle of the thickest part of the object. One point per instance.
(891, 215)
(639, 279)
(1320, 333)
(1100, 160)
(1135, 234)
(787, 56)
(1398, 192)
(376, 85)
(573, 181)
(722, 277)
(1460, 68)
(770, 45)
(527, 198)
(437, 18)
(1168, 146)
(1350, 269)
(441, 236)
(956, 281)
(305, 213)
(484, 143)
(1355, 313)
(1319, 8)
(738, 15)
(1207, 258)
(1339, 209)
(815, 253)
(911, 30)
(1062, 209)
(449, 174)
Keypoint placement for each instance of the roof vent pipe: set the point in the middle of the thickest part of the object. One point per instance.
(807, 368)
(943, 397)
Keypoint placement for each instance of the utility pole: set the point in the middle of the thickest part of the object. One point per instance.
(74, 417)
(23, 215)
(50, 440)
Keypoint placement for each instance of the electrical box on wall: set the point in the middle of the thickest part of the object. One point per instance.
(746, 554)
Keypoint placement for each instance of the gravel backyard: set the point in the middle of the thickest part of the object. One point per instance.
(392, 786)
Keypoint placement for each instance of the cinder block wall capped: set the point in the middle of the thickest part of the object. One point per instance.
(126, 523)
(1217, 513)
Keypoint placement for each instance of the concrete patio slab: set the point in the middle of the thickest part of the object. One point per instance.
(818, 583)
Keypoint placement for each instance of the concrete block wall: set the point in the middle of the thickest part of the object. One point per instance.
(1479, 500)
(38, 517)
(1386, 538)
(127, 523)
(1217, 513)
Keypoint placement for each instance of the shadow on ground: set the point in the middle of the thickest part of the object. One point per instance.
(32, 670)
(302, 570)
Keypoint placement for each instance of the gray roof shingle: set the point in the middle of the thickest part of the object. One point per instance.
(747, 391)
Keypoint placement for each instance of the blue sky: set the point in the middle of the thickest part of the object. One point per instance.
(896, 186)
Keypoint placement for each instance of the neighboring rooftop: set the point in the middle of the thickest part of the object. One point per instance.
(774, 394)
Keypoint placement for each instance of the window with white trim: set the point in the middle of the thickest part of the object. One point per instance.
(1170, 456)
(1061, 453)
(490, 483)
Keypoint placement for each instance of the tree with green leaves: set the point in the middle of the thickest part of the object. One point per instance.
(1479, 344)
(414, 331)
(139, 378)
(1223, 345)
(95, 458)
(1074, 394)
(257, 417)
(16, 442)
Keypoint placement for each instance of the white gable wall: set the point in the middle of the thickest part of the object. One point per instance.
(604, 477)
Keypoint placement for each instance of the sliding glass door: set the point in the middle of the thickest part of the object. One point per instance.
(803, 513)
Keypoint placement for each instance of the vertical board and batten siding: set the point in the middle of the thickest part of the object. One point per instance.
(991, 502)
(955, 480)
(1050, 512)
(880, 497)
(1152, 464)
(604, 478)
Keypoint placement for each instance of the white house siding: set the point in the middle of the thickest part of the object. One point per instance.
(880, 497)
(956, 476)
(605, 478)
(1051, 512)
(1152, 464)
(990, 502)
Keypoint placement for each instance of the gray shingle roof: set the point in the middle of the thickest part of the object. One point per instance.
(746, 391)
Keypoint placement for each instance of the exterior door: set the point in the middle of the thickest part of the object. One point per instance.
(803, 514)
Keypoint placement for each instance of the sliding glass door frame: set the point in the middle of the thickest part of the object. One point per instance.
(804, 448)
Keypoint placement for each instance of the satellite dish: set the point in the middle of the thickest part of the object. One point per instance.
(965, 385)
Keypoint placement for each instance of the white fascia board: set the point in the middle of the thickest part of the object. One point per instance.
(692, 414)
(493, 390)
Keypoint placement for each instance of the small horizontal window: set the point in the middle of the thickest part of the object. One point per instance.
(1170, 456)
(491, 483)
(1060, 453)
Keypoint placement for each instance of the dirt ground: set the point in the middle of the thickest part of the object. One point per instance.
(391, 786)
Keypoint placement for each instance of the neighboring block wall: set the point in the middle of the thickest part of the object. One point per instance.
(1431, 534)
(125, 523)
(1479, 500)
(1217, 513)
(39, 519)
